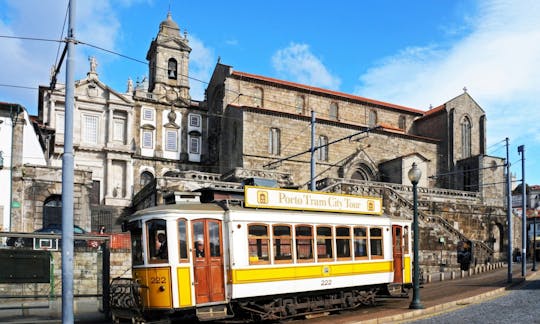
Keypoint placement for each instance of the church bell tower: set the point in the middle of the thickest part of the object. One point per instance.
(168, 58)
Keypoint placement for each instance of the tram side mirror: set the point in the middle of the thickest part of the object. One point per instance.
(124, 226)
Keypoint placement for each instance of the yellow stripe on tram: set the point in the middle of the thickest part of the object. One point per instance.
(267, 274)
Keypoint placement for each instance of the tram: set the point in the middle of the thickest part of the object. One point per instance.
(278, 254)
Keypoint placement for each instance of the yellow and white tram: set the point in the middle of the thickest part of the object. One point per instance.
(284, 253)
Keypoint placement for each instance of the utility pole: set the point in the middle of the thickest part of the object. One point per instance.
(68, 175)
(521, 149)
(509, 211)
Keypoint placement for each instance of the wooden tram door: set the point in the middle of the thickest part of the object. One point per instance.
(397, 244)
(208, 261)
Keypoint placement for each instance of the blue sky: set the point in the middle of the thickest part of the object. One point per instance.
(411, 53)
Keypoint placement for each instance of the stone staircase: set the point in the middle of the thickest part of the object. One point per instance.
(397, 202)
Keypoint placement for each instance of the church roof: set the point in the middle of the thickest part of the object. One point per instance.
(328, 92)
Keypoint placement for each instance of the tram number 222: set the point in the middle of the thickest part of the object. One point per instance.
(326, 282)
(158, 280)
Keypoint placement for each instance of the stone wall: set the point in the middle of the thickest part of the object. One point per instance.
(343, 157)
(87, 274)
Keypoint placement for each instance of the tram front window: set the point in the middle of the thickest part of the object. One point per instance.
(157, 240)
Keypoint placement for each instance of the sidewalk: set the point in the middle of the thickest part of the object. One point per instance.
(86, 310)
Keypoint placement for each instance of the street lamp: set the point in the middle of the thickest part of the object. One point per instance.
(414, 175)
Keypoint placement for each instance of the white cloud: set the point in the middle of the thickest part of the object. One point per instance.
(201, 64)
(498, 61)
(28, 63)
(298, 63)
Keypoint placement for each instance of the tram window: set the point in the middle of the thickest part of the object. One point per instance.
(182, 241)
(360, 243)
(157, 240)
(258, 242)
(375, 242)
(136, 243)
(343, 242)
(213, 233)
(198, 237)
(282, 243)
(324, 243)
(304, 243)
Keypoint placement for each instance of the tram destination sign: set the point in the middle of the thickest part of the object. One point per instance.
(274, 198)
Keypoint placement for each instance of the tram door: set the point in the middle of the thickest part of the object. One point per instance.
(208, 261)
(397, 243)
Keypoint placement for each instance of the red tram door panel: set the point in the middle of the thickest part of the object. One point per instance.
(208, 261)
(397, 244)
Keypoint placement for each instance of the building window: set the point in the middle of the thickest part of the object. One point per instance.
(322, 152)
(195, 120)
(148, 114)
(119, 130)
(333, 111)
(95, 193)
(343, 242)
(304, 243)
(466, 137)
(300, 104)
(146, 178)
(375, 242)
(258, 97)
(147, 139)
(171, 140)
(360, 243)
(172, 69)
(195, 145)
(402, 122)
(258, 244)
(90, 129)
(324, 243)
(274, 144)
(372, 118)
(282, 239)
(60, 123)
(52, 210)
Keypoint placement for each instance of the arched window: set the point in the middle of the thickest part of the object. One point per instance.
(172, 69)
(274, 141)
(146, 178)
(333, 111)
(372, 118)
(258, 97)
(323, 148)
(465, 137)
(300, 104)
(52, 210)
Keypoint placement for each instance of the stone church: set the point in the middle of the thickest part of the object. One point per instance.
(153, 141)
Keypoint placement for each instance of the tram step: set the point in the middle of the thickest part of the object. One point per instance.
(214, 312)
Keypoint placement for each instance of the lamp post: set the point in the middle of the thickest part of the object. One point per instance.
(414, 176)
